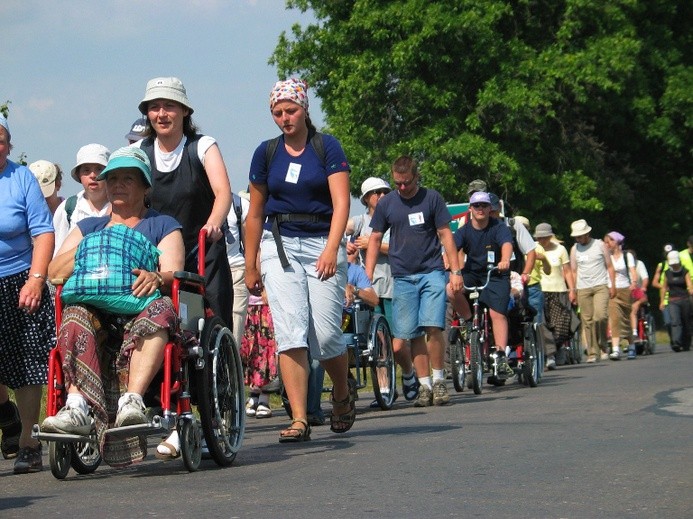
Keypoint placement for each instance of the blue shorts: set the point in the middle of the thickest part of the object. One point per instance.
(496, 295)
(418, 301)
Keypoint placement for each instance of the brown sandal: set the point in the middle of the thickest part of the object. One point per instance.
(302, 434)
(344, 421)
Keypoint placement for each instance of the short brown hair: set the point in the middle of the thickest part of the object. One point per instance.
(405, 164)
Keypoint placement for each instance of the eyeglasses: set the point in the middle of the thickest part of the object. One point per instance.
(480, 205)
(379, 192)
(404, 183)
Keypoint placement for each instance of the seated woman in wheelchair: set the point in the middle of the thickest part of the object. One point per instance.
(117, 266)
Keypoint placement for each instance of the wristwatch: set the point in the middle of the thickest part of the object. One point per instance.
(39, 276)
(456, 272)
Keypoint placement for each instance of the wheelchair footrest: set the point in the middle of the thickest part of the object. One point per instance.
(59, 437)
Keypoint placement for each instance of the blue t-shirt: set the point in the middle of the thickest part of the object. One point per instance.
(298, 185)
(153, 226)
(482, 247)
(23, 215)
(356, 275)
(413, 223)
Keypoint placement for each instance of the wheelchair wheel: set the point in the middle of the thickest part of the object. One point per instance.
(476, 363)
(457, 363)
(190, 444)
(59, 456)
(576, 347)
(86, 457)
(651, 330)
(221, 399)
(530, 357)
(383, 362)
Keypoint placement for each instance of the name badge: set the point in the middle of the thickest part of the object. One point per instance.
(293, 172)
(416, 219)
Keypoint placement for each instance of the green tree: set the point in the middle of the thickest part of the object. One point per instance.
(568, 108)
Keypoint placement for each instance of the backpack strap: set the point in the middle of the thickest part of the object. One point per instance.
(315, 140)
(70, 205)
(238, 210)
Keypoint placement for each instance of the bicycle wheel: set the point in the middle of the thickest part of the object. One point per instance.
(383, 362)
(457, 362)
(530, 358)
(651, 331)
(221, 401)
(476, 363)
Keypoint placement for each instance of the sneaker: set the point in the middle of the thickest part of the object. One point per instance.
(631, 352)
(263, 411)
(425, 397)
(616, 354)
(28, 460)
(591, 359)
(251, 407)
(411, 391)
(551, 363)
(604, 356)
(440, 393)
(131, 412)
(69, 420)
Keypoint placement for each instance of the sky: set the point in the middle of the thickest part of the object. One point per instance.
(76, 70)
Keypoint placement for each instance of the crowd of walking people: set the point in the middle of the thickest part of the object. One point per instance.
(285, 263)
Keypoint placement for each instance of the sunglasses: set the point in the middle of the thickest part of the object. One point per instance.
(404, 183)
(379, 192)
(480, 205)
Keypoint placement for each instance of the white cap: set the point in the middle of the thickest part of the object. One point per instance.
(90, 154)
(46, 173)
(673, 258)
(372, 184)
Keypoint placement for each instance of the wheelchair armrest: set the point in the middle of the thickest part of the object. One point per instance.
(189, 277)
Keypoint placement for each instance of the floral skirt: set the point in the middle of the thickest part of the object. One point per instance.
(258, 347)
(96, 361)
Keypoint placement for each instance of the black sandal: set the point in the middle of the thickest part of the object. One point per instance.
(302, 436)
(345, 420)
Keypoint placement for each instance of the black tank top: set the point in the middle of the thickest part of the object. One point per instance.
(676, 282)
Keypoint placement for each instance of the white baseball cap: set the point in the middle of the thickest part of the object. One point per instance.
(46, 173)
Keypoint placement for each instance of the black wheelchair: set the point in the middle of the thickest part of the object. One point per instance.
(369, 342)
(204, 371)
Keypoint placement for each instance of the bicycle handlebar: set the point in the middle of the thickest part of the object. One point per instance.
(488, 278)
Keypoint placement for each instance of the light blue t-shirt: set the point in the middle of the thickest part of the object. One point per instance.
(25, 214)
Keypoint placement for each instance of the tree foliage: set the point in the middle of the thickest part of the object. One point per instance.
(568, 108)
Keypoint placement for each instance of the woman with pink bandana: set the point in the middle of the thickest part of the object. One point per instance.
(299, 206)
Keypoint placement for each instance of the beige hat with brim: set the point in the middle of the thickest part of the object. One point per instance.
(579, 228)
(170, 88)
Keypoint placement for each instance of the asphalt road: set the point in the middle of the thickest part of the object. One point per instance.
(606, 440)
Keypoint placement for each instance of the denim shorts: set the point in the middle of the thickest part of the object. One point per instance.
(306, 311)
(418, 301)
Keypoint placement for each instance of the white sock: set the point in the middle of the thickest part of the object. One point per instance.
(174, 440)
(75, 400)
(635, 332)
(438, 374)
(425, 381)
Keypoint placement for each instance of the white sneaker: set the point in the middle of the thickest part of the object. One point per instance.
(605, 356)
(69, 420)
(131, 412)
(616, 354)
(551, 363)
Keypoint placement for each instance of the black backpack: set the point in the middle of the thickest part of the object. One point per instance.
(315, 140)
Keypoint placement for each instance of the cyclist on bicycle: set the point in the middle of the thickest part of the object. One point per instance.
(484, 242)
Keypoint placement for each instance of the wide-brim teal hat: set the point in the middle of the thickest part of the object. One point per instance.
(129, 157)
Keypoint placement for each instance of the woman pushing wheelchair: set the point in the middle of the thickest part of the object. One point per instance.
(118, 267)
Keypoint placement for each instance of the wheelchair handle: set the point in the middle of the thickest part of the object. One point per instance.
(480, 288)
(201, 251)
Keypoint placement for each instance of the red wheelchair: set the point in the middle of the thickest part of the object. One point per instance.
(201, 389)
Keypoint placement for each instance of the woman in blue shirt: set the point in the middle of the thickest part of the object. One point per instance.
(300, 194)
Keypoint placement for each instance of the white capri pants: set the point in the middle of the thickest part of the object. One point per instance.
(306, 312)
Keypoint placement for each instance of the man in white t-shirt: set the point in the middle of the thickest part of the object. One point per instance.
(235, 252)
